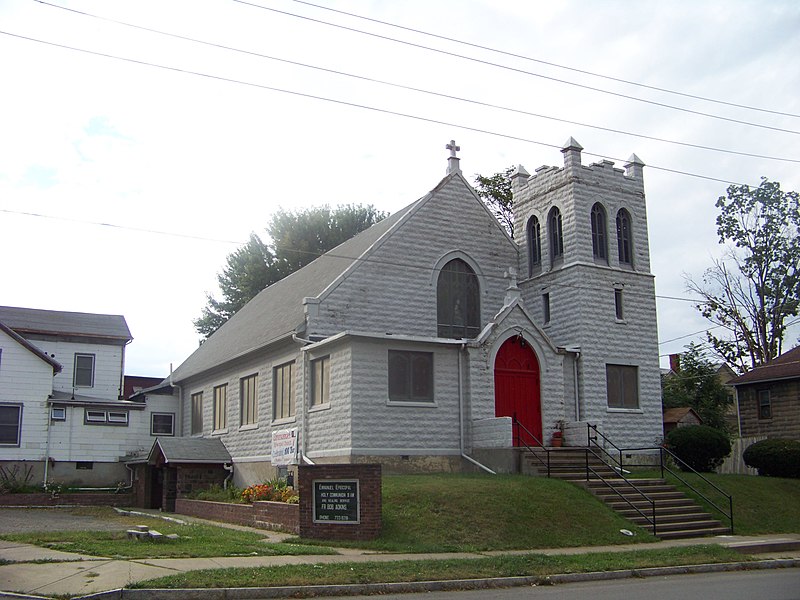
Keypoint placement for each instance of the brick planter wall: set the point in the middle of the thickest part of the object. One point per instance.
(370, 502)
(86, 499)
(263, 515)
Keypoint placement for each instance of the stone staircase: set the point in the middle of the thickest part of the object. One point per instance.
(676, 515)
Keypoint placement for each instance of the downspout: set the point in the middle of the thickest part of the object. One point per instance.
(180, 400)
(47, 444)
(228, 467)
(122, 371)
(461, 415)
(304, 436)
(577, 353)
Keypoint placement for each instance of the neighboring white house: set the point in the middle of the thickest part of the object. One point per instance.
(61, 409)
(433, 338)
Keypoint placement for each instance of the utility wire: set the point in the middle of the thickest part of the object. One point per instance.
(544, 62)
(354, 105)
(415, 89)
(516, 70)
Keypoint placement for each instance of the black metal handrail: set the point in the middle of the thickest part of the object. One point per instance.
(535, 439)
(590, 440)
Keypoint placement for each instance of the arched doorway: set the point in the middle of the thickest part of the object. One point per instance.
(516, 390)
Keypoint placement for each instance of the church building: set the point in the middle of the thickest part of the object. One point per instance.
(433, 341)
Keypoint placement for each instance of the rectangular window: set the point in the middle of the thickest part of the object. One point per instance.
(58, 413)
(84, 465)
(283, 391)
(410, 376)
(197, 413)
(220, 407)
(622, 383)
(118, 418)
(95, 416)
(618, 305)
(248, 400)
(162, 424)
(10, 424)
(764, 404)
(320, 381)
(546, 307)
(105, 417)
(84, 370)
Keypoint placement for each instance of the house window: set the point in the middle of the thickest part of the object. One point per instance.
(764, 404)
(546, 306)
(599, 242)
(320, 381)
(458, 301)
(58, 413)
(84, 465)
(624, 239)
(10, 424)
(197, 413)
(84, 370)
(410, 376)
(105, 417)
(283, 391)
(248, 400)
(162, 424)
(556, 235)
(622, 383)
(534, 246)
(618, 307)
(220, 407)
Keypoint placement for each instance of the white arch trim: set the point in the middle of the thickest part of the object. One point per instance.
(453, 254)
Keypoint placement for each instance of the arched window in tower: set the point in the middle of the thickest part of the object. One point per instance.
(458, 301)
(534, 246)
(556, 235)
(624, 237)
(599, 236)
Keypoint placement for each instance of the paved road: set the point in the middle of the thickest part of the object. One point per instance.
(24, 520)
(772, 584)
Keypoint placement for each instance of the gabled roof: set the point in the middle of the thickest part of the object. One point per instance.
(189, 450)
(30, 347)
(674, 415)
(277, 311)
(786, 366)
(59, 322)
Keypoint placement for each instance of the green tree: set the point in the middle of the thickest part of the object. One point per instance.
(697, 385)
(753, 290)
(297, 239)
(495, 191)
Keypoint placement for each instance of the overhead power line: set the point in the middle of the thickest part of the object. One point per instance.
(354, 105)
(548, 63)
(516, 70)
(414, 89)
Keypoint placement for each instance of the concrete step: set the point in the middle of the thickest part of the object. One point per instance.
(691, 533)
(698, 517)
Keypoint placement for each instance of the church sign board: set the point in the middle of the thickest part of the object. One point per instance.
(336, 501)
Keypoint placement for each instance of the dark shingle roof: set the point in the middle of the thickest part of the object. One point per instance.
(277, 311)
(59, 322)
(786, 366)
(190, 450)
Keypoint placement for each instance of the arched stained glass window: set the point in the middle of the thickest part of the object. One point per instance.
(556, 235)
(599, 236)
(624, 237)
(458, 301)
(534, 246)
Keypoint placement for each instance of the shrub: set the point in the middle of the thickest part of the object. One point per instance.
(701, 447)
(216, 493)
(274, 491)
(776, 458)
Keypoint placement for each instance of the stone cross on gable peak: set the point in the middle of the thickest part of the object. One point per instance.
(452, 162)
(512, 292)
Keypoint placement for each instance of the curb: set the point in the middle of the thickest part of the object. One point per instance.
(418, 586)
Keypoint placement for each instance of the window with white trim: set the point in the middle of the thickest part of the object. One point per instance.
(410, 376)
(320, 381)
(197, 413)
(58, 413)
(622, 383)
(105, 417)
(221, 407)
(458, 301)
(162, 424)
(283, 391)
(764, 404)
(10, 424)
(248, 400)
(83, 375)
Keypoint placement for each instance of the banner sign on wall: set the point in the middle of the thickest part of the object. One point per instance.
(284, 447)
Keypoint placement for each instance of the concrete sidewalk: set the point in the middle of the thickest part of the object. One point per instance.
(81, 575)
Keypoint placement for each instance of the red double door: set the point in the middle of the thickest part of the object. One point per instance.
(517, 390)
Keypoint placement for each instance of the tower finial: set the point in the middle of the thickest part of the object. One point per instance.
(452, 162)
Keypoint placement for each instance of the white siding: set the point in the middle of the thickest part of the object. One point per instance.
(107, 366)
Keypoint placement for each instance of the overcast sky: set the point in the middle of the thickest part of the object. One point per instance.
(123, 186)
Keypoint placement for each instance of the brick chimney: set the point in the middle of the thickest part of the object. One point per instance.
(675, 363)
